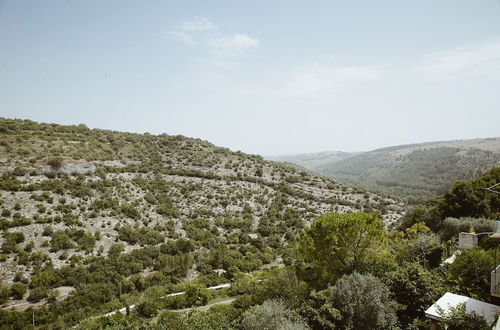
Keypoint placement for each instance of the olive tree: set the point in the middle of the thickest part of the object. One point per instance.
(364, 302)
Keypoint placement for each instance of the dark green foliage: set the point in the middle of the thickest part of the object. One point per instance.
(180, 245)
(415, 288)
(47, 231)
(11, 239)
(470, 199)
(177, 265)
(196, 294)
(470, 273)
(38, 293)
(115, 250)
(4, 294)
(459, 318)
(130, 211)
(216, 318)
(9, 182)
(427, 248)
(143, 236)
(84, 240)
(61, 241)
(18, 290)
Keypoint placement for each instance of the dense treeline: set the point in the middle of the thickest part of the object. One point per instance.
(466, 198)
(416, 172)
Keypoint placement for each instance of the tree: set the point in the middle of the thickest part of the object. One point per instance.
(283, 284)
(427, 248)
(459, 318)
(336, 244)
(272, 314)
(470, 273)
(414, 288)
(319, 311)
(417, 242)
(196, 294)
(470, 199)
(364, 302)
(411, 217)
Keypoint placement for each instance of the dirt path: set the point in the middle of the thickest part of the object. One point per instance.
(216, 287)
(226, 301)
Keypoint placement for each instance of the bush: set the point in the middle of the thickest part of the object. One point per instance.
(18, 290)
(196, 294)
(453, 226)
(60, 241)
(470, 273)
(38, 294)
(272, 314)
(364, 302)
(55, 163)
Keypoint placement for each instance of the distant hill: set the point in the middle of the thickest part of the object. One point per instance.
(313, 160)
(416, 170)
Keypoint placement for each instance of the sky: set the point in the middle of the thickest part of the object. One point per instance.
(264, 77)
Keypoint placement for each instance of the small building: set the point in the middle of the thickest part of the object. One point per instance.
(467, 241)
(449, 300)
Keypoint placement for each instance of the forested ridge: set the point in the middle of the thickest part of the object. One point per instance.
(415, 172)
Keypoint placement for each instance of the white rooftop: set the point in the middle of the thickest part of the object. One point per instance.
(489, 311)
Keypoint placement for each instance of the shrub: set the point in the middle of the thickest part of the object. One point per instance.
(18, 290)
(453, 226)
(55, 163)
(364, 302)
(60, 241)
(272, 314)
(38, 294)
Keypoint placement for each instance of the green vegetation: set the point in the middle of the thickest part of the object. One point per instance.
(93, 221)
(336, 244)
(415, 171)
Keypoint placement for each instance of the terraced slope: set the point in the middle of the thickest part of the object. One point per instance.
(72, 198)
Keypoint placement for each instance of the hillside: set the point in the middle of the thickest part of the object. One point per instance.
(416, 171)
(76, 199)
(313, 160)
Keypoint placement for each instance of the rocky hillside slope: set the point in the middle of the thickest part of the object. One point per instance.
(70, 196)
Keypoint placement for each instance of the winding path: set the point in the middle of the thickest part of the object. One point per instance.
(216, 287)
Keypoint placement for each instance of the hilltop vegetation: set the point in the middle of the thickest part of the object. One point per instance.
(93, 218)
(416, 171)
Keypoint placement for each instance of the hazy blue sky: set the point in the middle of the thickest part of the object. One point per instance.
(269, 77)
